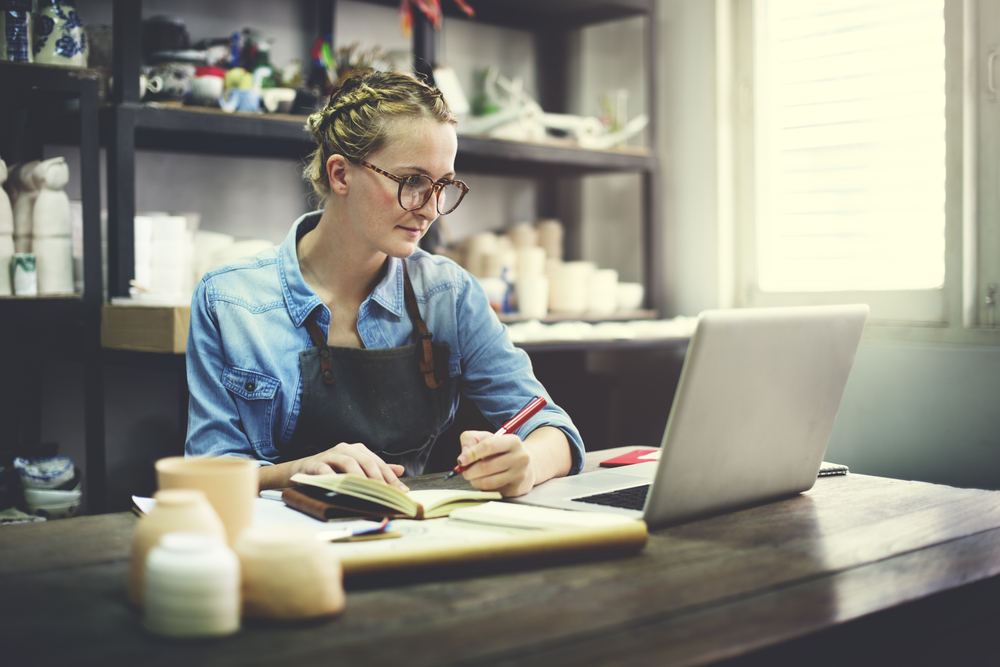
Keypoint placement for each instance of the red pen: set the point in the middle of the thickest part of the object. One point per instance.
(523, 415)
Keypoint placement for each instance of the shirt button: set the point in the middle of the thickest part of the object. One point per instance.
(250, 386)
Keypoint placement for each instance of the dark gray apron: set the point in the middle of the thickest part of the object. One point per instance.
(395, 401)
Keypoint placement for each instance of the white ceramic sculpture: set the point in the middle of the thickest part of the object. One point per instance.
(24, 205)
(6, 212)
(6, 234)
(51, 241)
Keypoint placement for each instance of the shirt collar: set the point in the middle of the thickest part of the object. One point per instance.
(300, 298)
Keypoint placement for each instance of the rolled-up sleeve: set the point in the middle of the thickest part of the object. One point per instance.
(498, 377)
(214, 425)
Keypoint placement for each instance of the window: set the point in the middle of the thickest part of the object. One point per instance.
(848, 152)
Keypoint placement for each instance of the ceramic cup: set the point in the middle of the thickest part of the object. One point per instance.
(523, 235)
(177, 510)
(229, 483)
(603, 292)
(207, 86)
(530, 262)
(191, 587)
(630, 296)
(533, 296)
(288, 574)
(550, 237)
(569, 287)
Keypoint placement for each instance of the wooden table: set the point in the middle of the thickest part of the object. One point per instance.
(859, 570)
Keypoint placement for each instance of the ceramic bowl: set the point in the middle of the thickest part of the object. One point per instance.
(288, 574)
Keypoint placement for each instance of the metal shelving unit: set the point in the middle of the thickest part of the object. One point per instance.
(54, 327)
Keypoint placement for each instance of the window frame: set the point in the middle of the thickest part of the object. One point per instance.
(949, 314)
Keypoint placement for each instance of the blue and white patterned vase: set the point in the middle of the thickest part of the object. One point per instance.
(59, 36)
(15, 30)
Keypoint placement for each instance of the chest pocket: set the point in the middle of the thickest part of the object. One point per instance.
(254, 394)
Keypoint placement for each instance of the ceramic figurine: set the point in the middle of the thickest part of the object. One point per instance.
(51, 215)
(50, 235)
(6, 212)
(24, 205)
(59, 35)
(6, 234)
(15, 30)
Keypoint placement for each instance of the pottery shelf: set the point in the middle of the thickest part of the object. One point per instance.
(532, 14)
(20, 311)
(37, 331)
(126, 125)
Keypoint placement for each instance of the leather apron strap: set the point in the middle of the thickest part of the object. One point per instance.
(424, 339)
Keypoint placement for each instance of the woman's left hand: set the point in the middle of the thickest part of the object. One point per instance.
(502, 462)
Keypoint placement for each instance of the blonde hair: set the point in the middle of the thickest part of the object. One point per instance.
(357, 119)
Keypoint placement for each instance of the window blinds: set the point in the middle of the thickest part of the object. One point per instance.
(850, 144)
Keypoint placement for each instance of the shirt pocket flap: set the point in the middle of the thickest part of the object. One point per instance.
(249, 385)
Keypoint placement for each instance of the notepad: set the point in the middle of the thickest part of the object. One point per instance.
(337, 495)
(509, 515)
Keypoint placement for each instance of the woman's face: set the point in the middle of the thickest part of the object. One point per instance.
(377, 220)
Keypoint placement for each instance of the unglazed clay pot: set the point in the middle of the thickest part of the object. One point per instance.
(288, 574)
(229, 483)
(184, 510)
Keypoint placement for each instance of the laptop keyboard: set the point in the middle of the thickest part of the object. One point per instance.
(632, 498)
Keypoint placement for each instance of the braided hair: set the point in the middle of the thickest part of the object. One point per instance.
(355, 123)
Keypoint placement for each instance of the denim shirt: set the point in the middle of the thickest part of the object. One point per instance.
(247, 329)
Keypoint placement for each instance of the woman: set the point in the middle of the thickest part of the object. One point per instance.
(345, 348)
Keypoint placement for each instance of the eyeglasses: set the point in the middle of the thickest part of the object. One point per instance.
(416, 190)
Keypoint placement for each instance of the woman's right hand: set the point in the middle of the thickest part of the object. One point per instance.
(352, 458)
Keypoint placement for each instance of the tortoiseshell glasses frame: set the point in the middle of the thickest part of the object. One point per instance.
(416, 190)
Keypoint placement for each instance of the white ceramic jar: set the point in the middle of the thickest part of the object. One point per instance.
(192, 587)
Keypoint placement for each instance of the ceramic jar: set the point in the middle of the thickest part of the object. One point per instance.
(288, 574)
(230, 484)
(15, 31)
(59, 38)
(176, 510)
(207, 86)
(191, 587)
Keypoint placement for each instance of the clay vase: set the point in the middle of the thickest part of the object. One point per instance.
(177, 510)
(231, 484)
(288, 574)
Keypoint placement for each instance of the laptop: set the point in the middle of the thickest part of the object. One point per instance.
(750, 421)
